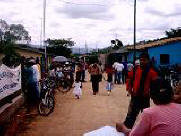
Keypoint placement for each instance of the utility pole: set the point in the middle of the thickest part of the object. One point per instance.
(41, 33)
(134, 55)
(44, 43)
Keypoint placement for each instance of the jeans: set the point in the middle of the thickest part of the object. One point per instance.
(136, 105)
(124, 76)
(119, 74)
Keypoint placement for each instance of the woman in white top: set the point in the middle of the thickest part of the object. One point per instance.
(77, 85)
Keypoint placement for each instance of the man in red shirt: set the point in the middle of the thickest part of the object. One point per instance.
(138, 85)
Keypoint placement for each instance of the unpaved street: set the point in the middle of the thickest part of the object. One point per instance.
(73, 117)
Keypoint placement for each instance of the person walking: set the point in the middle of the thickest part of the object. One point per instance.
(109, 71)
(124, 72)
(115, 72)
(83, 70)
(77, 85)
(119, 68)
(138, 85)
(95, 72)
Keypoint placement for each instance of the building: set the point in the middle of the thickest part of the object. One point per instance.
(163, 52)
(27, 52)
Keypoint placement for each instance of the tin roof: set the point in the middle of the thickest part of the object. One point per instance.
(155, 43)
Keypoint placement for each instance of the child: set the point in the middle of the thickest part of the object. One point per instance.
(109, 85)
(77, 85)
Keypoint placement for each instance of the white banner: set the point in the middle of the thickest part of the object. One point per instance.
(10, 80)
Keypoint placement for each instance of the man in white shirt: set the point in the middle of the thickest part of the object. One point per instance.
(119, 68)
(115, 72)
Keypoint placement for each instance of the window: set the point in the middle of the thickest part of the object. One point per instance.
(164, 59)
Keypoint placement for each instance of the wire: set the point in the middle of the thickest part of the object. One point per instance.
(95, 4)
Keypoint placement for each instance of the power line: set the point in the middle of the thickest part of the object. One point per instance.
(83, 4)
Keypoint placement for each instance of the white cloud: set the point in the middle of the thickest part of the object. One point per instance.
(95, 21)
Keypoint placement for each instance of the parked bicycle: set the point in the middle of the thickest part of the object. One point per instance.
(47, 100)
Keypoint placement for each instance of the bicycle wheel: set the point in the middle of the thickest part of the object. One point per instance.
(47, 107)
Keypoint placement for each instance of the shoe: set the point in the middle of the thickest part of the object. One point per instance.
(108, 93)
(94, 93)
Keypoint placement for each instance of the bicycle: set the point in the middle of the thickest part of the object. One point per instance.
(47, 100)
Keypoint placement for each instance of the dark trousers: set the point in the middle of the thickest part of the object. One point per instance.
(136, 105)
(124, 75)
(115, 77)
(95, 83)
(83, 75)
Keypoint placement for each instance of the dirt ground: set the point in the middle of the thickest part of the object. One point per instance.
(74, 117)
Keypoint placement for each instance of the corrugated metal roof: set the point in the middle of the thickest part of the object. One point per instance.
(155, 43)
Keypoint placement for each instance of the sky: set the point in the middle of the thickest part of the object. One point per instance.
(94, 22)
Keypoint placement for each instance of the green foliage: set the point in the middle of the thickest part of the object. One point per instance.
(11, 57)
(13, 32)
(60, 47)
(173, 33)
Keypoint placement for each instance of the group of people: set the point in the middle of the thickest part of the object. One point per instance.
(163, 119)
(31, 75)
(95, 77)
(142, 83)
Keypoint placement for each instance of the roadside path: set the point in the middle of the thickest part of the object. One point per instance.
(73, 117)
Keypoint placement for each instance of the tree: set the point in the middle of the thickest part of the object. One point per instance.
(13, 32)
(19, 32)
(9, 34)
(60, 47)
(173, 33)
(11, 57)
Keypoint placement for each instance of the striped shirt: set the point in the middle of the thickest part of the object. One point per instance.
(160, 120)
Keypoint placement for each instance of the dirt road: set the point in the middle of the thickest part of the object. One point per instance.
(73, 117)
